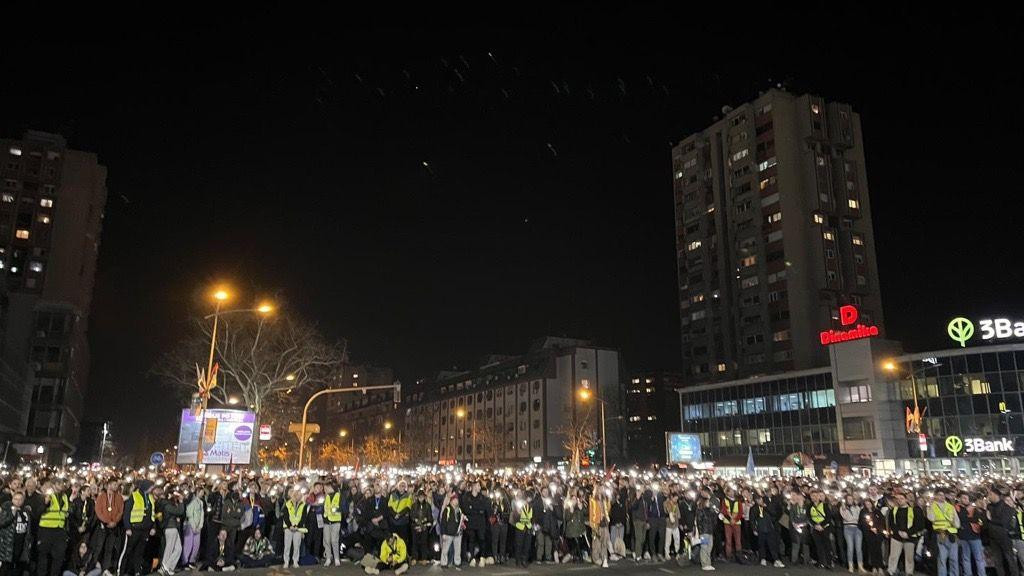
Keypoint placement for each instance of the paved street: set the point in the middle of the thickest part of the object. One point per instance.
(621, 567)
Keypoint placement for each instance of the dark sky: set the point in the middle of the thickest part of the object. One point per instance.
(288, 155)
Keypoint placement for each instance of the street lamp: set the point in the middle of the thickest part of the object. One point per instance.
(891, 367)
(220, 296)
(387, 425)
(233, 400)
(585, 395)
(461, 415)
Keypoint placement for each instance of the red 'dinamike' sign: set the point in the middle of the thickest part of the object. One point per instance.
(848, 317)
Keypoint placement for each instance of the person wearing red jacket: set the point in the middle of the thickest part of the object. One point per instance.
(106, 538)
(732, 521)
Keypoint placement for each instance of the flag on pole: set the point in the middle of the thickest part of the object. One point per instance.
(750, 461)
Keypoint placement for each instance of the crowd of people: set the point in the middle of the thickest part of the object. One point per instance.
(103, 522)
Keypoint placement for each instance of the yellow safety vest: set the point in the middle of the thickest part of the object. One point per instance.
(525, 518)
(910, 518)
(295, 514)
(139, 501)
(818, 513)
(733, 509)
(399, 503)
(56, 513)
(332, 507)
(943, 521)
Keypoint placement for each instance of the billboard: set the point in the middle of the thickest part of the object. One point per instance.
(683, 448)
(228, 437)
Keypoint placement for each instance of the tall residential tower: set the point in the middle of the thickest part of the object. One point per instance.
(51, 213)
(773, 235)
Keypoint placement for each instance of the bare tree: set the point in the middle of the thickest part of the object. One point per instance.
(269, 364)
(383, 450)
(335, 454)
(578, 436)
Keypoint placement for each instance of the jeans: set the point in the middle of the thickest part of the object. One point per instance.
(799, 544)
(949, 553)
(854, 545)
(896, 548)
(768, 545)
(332, 534)
(292, 546)
(51, 549)
(447, 544)
(971, 549)
(190, 548)
(618, 544)
(172, 549)
(522, 547)
(707, 543)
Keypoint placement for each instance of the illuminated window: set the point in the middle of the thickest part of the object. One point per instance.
(679, 174)
(46, 202)
(15, 151)
(749, 261)
(815, 108)
(721, 367)
(748, 282)
(763, 184)
(762, 166)
(857, 240)
(697, 298)
(693, 245)
(819, 219)
(43, 219)
(21, 234)
(35, 266)
(780, 336)
(829, 236)
(821, 160)
(853, 203)
(740, 155)
(634, 418)
(772, 218)
(8, 198)
(636, 380)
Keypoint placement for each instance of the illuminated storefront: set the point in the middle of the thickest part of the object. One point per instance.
(875, 407)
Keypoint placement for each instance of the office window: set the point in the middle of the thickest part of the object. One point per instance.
(857, 240)
(829, 236)
(740, 155)
(853, 204)
(772, 218)
(819, 219)
(721, 367)
(748, 261)
(46, 202)
(780, 336)
(21, 234)
(693, 245)
(859, 428)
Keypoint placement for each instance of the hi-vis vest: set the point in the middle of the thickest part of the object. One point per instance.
(525, 518)
(56, 513)
(399, 503)
(943, 521)
(733, 508)
(332, 507)
(818, 513)
(139, 502)
(910, 518)
(1020, 523)
(295, 513)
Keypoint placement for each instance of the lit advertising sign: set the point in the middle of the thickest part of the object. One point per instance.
(847, 317)
(961, 329)
(683, 448)
(228, 438)
(956, 445)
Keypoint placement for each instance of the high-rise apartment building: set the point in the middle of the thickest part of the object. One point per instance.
(51, 213)
(773, 235)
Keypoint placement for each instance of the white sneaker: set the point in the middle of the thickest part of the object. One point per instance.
(708, 568)
(779, 564)
(490, 561)
(647, 555)
(556, 558)
(285, 565)
(337, 562)
(605, 563)
(764, 562)
(327, 562)
(472, 563)
(401, 569)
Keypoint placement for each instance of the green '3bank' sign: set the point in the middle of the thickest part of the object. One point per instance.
(961, 330)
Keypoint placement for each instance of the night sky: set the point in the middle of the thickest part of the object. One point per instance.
(439, 192)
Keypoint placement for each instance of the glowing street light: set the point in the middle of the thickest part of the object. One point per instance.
(290, 377)
(233, 400)
(221, 295)
(585, 395)
(265, 308)
(387, 425)
(342, 432)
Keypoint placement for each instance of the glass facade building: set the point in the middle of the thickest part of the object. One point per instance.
(779, 415)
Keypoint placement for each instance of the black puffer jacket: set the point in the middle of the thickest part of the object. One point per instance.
(7, 527)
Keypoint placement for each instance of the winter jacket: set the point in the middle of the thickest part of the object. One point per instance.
(451, 521)
(574, 521)
(617, 513)
(707, 520)
(8, 527)
(761, 519)
(109, 507)
(195, 514)
(1002, 522)
(899, 521)
(82, 517)
(81, 564)
(231, 512)
(171, 513)
(257, 549)
(477, 509)
(393, 556)
(422, 516)
(971, 522)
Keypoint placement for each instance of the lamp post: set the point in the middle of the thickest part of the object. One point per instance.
(891, 367)
(397, 387)
(586, 394)
(461, 415)
(220, 296)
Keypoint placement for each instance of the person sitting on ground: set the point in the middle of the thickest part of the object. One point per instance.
(221, 554)
(258, 551)
(82, 562)
(392, 557)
